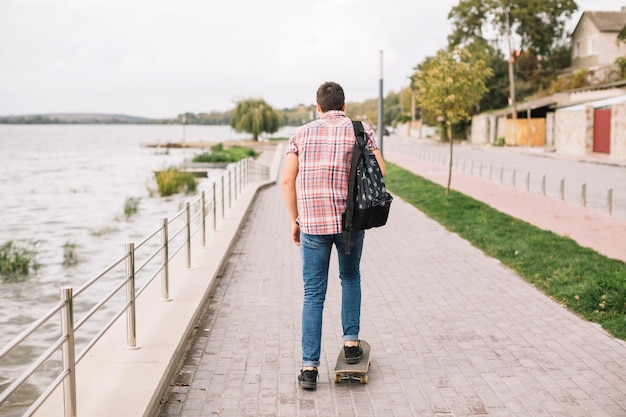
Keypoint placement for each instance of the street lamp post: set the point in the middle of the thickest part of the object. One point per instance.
(381, 128)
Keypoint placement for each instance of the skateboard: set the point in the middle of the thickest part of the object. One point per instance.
(358, 371)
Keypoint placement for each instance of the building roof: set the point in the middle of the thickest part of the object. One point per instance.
(607, 21)
(607, 102)
(564, 99)
(544, 102)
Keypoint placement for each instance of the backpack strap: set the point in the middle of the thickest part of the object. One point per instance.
(359, 132)
(356, 155)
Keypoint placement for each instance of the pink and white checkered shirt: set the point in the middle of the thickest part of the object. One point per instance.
(324, 150)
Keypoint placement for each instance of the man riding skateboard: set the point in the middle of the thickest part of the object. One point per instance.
(315, 189)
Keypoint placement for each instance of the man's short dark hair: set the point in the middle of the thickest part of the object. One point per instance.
(330, 96)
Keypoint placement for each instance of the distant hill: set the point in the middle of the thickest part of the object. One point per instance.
(78, 118)
(81, 117)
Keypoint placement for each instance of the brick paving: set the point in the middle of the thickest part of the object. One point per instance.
(453, 333)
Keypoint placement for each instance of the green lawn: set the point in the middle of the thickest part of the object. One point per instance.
(588, 283)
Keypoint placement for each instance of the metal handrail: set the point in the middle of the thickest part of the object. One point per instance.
(20, 338)
(242, 172)
(65, 341)
(604, 200)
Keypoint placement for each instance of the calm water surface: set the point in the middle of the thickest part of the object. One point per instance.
(68, 184)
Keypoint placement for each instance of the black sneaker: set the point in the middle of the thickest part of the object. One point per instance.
(353, 354)
(308, 379)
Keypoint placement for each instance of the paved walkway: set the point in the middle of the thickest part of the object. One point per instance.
(454, 333)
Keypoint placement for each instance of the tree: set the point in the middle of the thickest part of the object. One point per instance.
(540, 27)
(368, 110)
(450, 85)
(621, 61)
(255, 116)
(468, 18)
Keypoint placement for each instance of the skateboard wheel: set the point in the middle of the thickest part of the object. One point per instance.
(337, 378)
(363, 379)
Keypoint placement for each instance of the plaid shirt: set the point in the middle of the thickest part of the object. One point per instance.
(324, 150)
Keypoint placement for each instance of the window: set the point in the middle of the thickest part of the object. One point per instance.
(590, 50)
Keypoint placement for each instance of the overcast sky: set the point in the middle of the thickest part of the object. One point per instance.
(158, 58)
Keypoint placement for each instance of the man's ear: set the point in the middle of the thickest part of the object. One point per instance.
(319, 108)
(343, 108)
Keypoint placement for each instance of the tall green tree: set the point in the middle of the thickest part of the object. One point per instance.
(540, 25)
(255, 116)
(538, 30)
(450, 85)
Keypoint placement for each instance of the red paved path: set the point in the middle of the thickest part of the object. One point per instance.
(602, 232)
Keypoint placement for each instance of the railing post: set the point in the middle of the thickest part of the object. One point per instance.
(230, 191)
(223, 197)
(131, 331)
(248, 163)
(514, 179)
(69, 357)
(242, 175)
(214, 208)
(562, 189)
(583, 195)
(188, 227)
(543, 185)
(236, 180)
(528, 181)
(239, 178)
(609, 200)
(165, 260)
(203, 213)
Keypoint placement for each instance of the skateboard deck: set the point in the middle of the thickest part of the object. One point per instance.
(358, 371)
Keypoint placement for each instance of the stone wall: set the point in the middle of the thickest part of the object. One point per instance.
(480, 130)
(573, 131)
(618, 132)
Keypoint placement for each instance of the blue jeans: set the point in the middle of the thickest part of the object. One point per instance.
(316, 250)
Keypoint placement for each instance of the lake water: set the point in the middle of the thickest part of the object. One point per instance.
(68, 184)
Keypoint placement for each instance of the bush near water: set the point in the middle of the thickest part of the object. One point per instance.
(172, 180)
(219, 154)
(17, 261)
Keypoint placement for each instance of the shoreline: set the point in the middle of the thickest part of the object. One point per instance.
(205, 144)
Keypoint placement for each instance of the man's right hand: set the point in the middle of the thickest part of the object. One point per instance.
(295, 233)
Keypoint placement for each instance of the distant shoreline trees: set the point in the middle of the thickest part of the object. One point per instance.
(255, 116)
(292, 116)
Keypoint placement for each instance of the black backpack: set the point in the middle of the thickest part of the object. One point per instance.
(368, 200)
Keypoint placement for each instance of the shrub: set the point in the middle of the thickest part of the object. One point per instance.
(70, 254)
(172, 181)
(219, 154)
(131, 206)
(17, 262)
(103, 231)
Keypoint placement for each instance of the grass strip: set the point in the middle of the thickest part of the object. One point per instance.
(588, 283)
